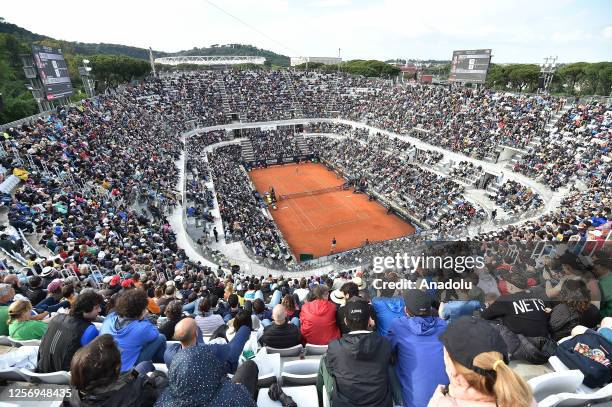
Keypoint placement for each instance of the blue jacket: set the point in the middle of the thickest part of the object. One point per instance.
(387, 309)
(130, 337)
(456, 309)
(420, 357)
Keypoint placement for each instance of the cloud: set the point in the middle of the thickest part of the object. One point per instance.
(329, 3)
(571, 36)
(572, 29)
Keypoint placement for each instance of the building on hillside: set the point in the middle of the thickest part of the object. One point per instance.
(319, 60)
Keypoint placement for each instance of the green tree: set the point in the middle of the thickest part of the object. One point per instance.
(524, 77)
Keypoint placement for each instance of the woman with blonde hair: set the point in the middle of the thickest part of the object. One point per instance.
(21, 325)
(229, 290)
(476, 359)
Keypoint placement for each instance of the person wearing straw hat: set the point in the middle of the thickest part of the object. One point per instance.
(476, 360)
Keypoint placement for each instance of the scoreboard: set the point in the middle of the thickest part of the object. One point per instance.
(53, 71)
(470, 65)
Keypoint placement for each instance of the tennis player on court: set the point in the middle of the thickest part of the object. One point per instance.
(333, 245)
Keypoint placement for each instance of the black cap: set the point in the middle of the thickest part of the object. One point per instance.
(418, 302)
(358, 311)
(467, 337)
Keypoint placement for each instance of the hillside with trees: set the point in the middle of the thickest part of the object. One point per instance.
(370, 68)
(579, 79)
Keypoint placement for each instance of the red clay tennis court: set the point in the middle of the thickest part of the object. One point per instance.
(309, 223)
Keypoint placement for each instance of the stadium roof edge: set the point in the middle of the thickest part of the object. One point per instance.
(211, 60)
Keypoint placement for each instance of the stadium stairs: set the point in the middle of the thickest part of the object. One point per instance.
(516, 158)
(297, 107)
(301, 142)
(550, 126)
(492, 157)
(247, 150)
(331, 103)
(224, 97)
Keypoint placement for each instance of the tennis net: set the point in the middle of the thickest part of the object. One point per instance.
(310, 193)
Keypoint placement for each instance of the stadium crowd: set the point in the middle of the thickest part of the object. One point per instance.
(422, 193)
(385, 346)
(273, 144)
(515, 198)
(103, 176)
(241, 207)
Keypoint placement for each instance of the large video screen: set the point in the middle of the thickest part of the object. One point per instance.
(53, 71)
(470, 65)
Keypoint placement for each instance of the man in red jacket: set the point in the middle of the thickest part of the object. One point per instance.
(318, 318)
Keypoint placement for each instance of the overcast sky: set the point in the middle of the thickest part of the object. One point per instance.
(516, 30)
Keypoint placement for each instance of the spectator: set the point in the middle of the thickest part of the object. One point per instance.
(138, 339)
(523, 312)
(468, 303)
(35, 291)
(54, 296)
(302, 292)
(14, 281)
(318, 318)
(22, 326)
(350, 292)
(293, 313)
(198, 378)
(68, 333)
(419, 354)
(228, 354)
(6, 298)
(387, 306)
(280, 334)
(478, 370)
(602, 268)
(575, 309)
(96, 378)
(355, 369)
(234, 307)
(174, 313)
(261, 311)
(207, 321)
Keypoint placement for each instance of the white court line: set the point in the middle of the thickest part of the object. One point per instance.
(305, 216)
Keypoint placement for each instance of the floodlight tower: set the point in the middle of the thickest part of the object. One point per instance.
(547, 71)
(152, 61)
(88, 83)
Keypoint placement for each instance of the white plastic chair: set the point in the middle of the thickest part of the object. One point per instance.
(287, 352)
(555, 383)
(577, 399)
(559, 366)
(311, 349)
(300, 372)
(305, 396)
(556, 364)
(269, 366)
(60, 377)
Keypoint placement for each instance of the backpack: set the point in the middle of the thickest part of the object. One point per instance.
(591, 354)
